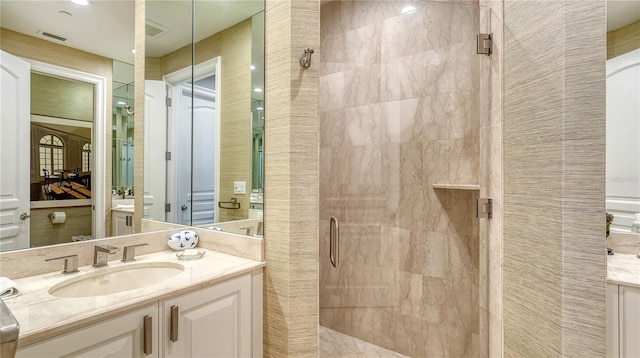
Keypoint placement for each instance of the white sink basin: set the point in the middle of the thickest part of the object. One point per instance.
(116, 279)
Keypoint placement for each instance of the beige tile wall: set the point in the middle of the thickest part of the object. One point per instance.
(399, 111)
(554, 253)
(291, 180)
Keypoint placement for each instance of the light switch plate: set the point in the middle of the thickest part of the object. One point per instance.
(239, 187)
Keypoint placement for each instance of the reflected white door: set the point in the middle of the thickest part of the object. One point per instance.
(155, 146)
(192, 168)
(623, 131)
(14, 152)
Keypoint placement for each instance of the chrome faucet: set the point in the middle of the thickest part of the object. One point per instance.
(129, 253)
(247, 230)
(70, 263)
(101, 254)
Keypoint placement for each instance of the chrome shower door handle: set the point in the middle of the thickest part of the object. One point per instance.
(334, 241)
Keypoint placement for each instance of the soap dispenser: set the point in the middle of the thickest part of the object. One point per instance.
(635, 225)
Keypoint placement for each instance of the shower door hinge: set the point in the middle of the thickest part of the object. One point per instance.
(168, 102)
(484, 44)
(167, 207)
(484, 208)
(167, 155)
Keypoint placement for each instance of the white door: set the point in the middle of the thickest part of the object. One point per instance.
(14, 152)
(155, 134)
(204, 166)
(191, 171)
(623, 131)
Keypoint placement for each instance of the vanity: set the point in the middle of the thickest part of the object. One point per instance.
(122, 211)
(623, 305)
(155, 306)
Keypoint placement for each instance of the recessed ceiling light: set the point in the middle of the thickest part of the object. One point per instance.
(253, 67)
(81, 2)
(257, 89)
(122, 103)
(133, 50)
(259, 108)
(405, 10)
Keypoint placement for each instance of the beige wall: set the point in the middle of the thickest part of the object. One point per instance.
(46, 51)
(43, 232)
(554, 170)
(61, 98)
(623, 40)
(291, 180)
(233, 45)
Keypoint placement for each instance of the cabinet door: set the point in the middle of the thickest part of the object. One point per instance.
(613, 344)
(121, 223)
(123, 336)
(629, 307)
(212, 322)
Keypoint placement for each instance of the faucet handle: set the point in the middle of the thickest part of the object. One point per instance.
(70, 263)
(129, 252)
(107, 248)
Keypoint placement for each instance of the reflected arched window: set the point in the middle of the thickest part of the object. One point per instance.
(86, 157)
(51, 150)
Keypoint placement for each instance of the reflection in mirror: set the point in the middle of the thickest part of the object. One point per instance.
(69, 64)
(199, 145)
(122, 130)
(623, 113)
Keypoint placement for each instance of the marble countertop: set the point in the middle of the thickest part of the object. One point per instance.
(623, 269)
(41, 315)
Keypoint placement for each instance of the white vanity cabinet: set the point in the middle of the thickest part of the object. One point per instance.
(121, 223)
(221, 320)
(212, 322)
(123, 336)
(623, 321)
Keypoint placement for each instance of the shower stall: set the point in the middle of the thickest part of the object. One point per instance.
(399, 174)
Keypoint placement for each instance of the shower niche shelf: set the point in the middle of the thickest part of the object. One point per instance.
(457, 186)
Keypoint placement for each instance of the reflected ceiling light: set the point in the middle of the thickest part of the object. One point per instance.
(122, 103)
(408, 10)
(257, 89)
(253, 67)
(260, 108)
(133, 50)
(81, 2)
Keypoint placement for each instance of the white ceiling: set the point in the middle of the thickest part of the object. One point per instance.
(106, 27)
(621, 13)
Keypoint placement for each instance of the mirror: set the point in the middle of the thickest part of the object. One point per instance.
(64, 34)
(623, 113)
(122, 130)
(204, 95)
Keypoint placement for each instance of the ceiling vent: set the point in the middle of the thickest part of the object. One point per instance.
(55, 37)
(154, 30)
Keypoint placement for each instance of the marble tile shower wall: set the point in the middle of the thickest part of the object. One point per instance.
(399, 112)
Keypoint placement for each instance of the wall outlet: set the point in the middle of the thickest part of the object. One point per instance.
(239, 187)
